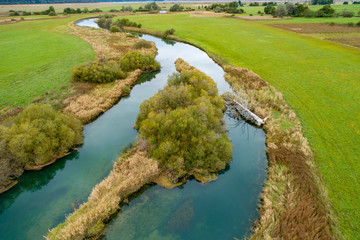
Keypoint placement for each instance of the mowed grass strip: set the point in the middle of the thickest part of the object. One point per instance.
(319, 79)
(36, 57)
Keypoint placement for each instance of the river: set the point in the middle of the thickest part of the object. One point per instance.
(222, 209)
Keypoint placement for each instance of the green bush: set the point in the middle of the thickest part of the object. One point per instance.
(124, 22)
(182, 124)
(136, 60)
(126, 89)
(38, 134)
(97, 72)
(114, 29)
(168, 32)
(142, 44)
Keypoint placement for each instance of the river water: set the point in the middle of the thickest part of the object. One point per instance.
(222, 209)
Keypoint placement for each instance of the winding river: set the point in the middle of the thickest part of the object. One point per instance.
(222, 209)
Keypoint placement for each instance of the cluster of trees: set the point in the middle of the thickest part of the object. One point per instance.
(269, 3)
(100, 71)
(104, 71)
(232, 7)
(51, 12)
(301, 10)
(183, 128)
(106, 22)
(78, 10)
(38, 134)
(149, 7)
(123, 9)
(322, 2)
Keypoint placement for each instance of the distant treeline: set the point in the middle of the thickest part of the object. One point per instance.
(13, 2)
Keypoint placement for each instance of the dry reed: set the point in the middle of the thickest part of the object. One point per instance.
(132, 171)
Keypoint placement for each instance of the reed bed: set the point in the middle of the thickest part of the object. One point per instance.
(132, 171)
(294, 203)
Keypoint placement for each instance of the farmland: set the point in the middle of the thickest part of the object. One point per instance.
(318, 78)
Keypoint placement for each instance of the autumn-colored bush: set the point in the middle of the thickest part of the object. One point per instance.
(136, 60)
(100, 71)
(38, 134)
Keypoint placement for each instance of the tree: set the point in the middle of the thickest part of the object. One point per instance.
(51, 9)
(281, 11)
(290, 8)
(270, 10)
(175, 8)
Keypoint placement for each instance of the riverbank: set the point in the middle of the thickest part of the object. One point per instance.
(87, 101)
(200, 94)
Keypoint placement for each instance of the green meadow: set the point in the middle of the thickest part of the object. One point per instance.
(36, 57)
(319, 79)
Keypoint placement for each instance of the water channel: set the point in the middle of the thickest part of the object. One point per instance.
(222, 209)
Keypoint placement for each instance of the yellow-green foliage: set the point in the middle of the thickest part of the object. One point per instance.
(38, 134)
(136, 60)
(100, 71)
(183, 125)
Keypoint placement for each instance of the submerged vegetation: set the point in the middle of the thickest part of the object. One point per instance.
(182, 125)
(34, 137)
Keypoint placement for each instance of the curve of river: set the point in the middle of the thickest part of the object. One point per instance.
(222, 209)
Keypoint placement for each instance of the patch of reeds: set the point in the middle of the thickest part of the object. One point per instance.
(294, 201)
(90, 105)
(130, 173)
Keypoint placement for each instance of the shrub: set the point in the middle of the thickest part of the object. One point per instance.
(104, 22)
(142, 44)
(358, 23)
(135, 60)
(168, 32)
(114, 29)
(97, 72)
(351, 24)
(126, 90)
(332, 24)
(52, 13)
(38, 134)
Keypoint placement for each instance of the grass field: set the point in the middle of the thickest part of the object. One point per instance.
(36, 57)
(319, 79)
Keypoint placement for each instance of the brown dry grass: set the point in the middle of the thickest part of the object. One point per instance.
(294, 202)
(90, 105)
(306, 28)
(353, 41)
(89, 100)
(130, 173)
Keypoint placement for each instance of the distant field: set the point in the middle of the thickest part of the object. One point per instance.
(36, 57)
(319, 79)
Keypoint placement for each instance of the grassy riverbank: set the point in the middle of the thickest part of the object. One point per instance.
(319, 79)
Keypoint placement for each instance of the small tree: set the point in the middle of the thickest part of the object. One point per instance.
(270, 10)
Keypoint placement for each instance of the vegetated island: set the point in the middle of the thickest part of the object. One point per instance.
(181, 134)
(39, 134)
